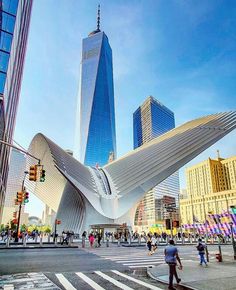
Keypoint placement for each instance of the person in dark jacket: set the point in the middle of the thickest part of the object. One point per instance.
(201, 247)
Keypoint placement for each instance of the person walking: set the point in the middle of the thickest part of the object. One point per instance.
(91, 239)
(201, 247)
(149, 244)
(171, 258)
(83, 239)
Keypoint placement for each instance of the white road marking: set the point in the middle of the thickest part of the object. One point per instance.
(136, 280)
(89, 281)
(65, 282)
(113, 281)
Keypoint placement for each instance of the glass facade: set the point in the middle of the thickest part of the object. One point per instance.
(14, 26)
(97, 116)
(151, 120)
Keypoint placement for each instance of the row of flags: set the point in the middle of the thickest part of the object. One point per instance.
(215, 224)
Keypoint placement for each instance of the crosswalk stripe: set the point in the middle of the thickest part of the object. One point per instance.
(65, 283)
(130, 258)
(136, 280)
(139, 260)
(89, 281)
(141, 266)
(113, 281)
(143, 263)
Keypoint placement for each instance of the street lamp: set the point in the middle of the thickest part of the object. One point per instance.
(233, 241)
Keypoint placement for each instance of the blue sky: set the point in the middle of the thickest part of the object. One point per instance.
(181, 52)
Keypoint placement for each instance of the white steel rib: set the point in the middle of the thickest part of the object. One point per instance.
(84, 195)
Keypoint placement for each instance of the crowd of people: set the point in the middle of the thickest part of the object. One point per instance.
(12, 234)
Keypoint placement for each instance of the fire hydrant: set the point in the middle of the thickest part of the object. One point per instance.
(219, 257)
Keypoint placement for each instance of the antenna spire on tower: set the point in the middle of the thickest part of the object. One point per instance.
(98, 18)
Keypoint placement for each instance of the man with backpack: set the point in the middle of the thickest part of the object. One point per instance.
(201, 247)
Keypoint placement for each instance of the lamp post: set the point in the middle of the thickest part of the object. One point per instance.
(233, 241)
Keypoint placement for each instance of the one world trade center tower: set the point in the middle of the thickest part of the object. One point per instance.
(97, 136)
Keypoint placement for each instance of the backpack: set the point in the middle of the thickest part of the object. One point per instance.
(200, 247)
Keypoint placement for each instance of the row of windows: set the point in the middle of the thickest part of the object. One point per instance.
(10, 6)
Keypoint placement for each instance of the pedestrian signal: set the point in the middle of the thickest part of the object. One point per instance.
(168, 227)
(176, 224)
(19, 197)
(42, 175)
(58, 222)
(33, 173)
(14, 221)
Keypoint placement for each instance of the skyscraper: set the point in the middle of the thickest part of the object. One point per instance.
(97, 136)
(14, 19)
(151, 120)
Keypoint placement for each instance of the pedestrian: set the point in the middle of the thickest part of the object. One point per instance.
(91, 240)
(64, 238)
(99, 239)
(83, 239)
(171, 258)
(201, 247)
(154, 244)
(149, 244)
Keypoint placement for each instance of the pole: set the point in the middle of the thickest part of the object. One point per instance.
(194, 224)
(19, 149)
(18, 221)
(204, 205)
(171, 226)
(55, 231)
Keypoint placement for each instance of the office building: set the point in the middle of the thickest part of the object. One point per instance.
(211, 188)
(15, 19)
(97, 136)
(151, 120)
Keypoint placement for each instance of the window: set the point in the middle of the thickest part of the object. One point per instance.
(5, 41)
(10, 6)
(8, 22)
(2, 82)
(4, 57)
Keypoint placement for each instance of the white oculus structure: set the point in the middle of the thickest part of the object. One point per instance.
(84, 196)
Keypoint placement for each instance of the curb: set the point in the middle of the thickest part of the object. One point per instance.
(164, 282)
(36, 247)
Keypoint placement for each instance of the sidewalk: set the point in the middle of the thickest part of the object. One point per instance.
(217, 276)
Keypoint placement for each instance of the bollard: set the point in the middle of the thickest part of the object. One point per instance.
(48, 238)
(70, 241)
(55, 242)
(139, 240)
(8, 242)
(24, 241)
(130, 240)
(118, 244)
(107, 242)
(41, 241)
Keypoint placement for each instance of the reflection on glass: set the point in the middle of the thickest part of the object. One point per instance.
(5, 41)
(8, 22)
(4, 57)
(2, 82)
(10, 6)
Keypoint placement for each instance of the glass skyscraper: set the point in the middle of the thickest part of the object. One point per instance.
(97, 136)
(14, 26)
(151, 120)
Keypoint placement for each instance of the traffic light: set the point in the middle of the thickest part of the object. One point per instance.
(33, 173)
(58, 222)
(26, 197)
(19, 197)
(168, 227)
(233, 208)
(42, 175)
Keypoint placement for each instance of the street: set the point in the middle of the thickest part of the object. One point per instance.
(83, 267)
